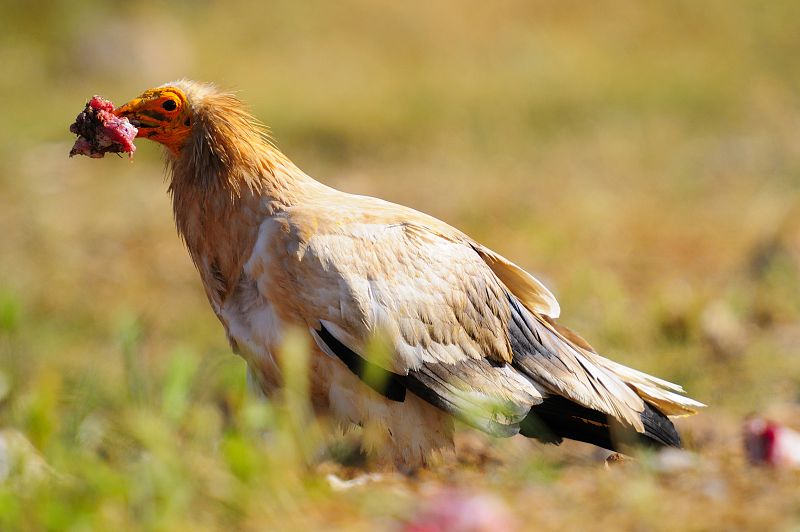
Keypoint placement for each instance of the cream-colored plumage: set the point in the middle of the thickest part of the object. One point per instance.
(469, 333)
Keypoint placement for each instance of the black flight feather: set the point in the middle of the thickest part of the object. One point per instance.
(557, 418)
(385, 382)
(441, 384)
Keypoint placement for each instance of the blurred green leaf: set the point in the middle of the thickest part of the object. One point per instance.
(129, 334)
(241, 457)
(177, 384)
(10, 312)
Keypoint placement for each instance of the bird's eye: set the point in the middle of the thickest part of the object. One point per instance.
(169, 105)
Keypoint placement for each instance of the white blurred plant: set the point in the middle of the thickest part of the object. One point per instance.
(20, 462)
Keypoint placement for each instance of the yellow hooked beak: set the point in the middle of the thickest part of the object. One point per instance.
(136, 111)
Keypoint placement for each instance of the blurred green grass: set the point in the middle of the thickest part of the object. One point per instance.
(642, 159)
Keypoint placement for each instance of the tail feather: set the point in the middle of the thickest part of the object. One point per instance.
(658, 428)
(664, 395)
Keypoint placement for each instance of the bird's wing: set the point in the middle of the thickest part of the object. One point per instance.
(527, 288)
(456, 333)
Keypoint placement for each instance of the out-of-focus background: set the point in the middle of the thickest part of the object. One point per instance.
(642, 159)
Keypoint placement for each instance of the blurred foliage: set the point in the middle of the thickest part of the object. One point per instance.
(643, 159)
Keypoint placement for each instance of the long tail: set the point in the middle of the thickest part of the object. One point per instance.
(633, 405)
(559, 417)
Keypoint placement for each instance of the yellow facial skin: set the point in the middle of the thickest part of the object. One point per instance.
(162, 115)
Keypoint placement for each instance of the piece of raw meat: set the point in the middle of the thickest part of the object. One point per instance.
(100, 131)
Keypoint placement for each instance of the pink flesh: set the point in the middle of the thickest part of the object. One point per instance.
(99, 104)
(100, 131)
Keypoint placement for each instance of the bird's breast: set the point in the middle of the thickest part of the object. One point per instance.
(255, 332)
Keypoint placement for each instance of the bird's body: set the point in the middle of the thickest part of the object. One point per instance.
(467, 333)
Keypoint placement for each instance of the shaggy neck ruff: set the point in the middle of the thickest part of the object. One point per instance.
(225, 179)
